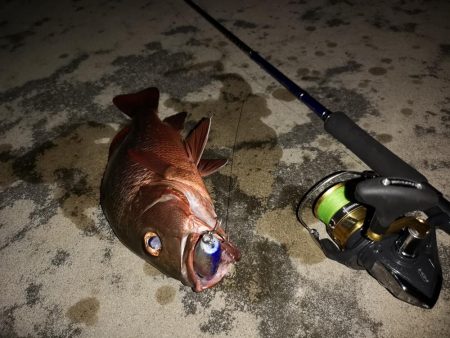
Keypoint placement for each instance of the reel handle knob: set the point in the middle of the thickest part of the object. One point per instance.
(409, 243)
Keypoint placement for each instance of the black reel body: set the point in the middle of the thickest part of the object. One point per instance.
(400, 250)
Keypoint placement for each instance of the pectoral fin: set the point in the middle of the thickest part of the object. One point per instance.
(195, 142)
(208, 167)
(154, 163)
(150, 161)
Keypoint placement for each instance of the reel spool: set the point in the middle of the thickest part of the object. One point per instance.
(331, 201)
(341, 216)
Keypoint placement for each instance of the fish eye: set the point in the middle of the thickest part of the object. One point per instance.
(152, 243)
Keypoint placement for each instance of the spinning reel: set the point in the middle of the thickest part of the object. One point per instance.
(379, 224)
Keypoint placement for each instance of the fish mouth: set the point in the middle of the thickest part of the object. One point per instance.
(229, 255)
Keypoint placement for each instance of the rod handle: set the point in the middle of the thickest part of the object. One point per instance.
(370, 151)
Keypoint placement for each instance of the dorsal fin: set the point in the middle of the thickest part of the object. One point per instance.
(176, 121)
(208, 167)
(195, 142)
(152, 161)
(144, 101)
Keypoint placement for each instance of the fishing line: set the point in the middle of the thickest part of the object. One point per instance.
(230, 179)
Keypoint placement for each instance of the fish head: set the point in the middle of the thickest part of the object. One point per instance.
(183, 246)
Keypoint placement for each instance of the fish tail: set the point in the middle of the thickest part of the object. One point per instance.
(144, 101)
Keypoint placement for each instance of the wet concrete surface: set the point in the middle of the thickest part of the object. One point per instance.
(64, 273)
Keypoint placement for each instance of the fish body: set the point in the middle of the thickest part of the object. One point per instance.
(154, 197)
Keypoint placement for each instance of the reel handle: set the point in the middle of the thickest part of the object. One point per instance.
(370, 151)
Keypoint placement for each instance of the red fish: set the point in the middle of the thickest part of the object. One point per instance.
(155, 200)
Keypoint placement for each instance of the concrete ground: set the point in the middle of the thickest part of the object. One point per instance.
(63, 272)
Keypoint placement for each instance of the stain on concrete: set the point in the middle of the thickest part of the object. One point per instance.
(283, 95)
(73, 162)
(60, 257)
(150, 270)
(302, 72)
(237, 105)
(338, 299)
(406, 111)
(352, 102)
(181, 30)
(409, 27)
(445, 49)
(165, 294)
(444, 257)
(16, 40)
(117, 280)
(312, 15)
(8, 321)
(6, 171)
(244, 24)
(41, 21)
(32, 294)
(384, 138)
(84, 311)
(43, 209)
(377, 71)
(336, 22)
(409, 11)
(436, 164)
(350, 67)
(282, 226)
(153, 46)
(219, 321)
(423, 131)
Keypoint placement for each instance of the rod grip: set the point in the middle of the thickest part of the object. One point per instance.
(370, 151)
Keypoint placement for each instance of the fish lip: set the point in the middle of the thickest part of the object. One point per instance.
(230, 255)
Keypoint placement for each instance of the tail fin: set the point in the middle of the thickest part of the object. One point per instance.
(144, 101)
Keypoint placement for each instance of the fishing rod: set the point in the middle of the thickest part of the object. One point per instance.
(383, 220)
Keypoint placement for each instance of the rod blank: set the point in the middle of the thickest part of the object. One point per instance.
(301, 94)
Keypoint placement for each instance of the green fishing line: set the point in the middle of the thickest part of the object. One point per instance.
(330, 203)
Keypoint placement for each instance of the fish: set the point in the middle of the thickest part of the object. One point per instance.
(154, 198)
